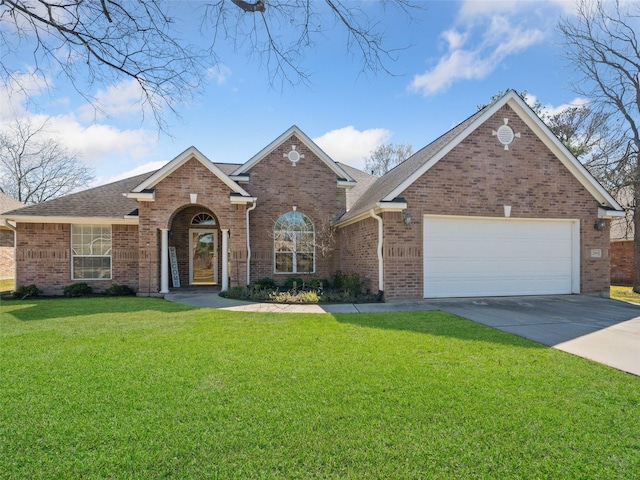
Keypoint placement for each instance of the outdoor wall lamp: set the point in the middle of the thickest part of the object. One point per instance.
(600, 225)
(406, 218)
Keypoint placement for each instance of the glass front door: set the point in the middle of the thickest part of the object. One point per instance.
(203, 262)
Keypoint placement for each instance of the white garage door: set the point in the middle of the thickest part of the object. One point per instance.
(471, 257)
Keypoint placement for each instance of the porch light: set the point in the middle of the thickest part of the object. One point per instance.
(600, 225)
(406, 218)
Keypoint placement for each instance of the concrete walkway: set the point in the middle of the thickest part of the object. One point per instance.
(603, 330)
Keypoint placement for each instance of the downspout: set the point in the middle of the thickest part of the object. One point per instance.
(249, 245)
(380, 259)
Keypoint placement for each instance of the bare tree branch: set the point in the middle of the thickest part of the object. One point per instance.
(34, 167)
(602, 44)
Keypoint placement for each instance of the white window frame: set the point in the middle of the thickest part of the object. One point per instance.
(294, 252)
(84, 255)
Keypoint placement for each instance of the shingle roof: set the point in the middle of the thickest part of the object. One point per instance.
(103, 201)
(363, 179)
(7, 203)
(391, 180)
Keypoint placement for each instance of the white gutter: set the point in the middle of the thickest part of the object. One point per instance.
(5, 223)
(249, 245)
(380, 259)
(605, 213)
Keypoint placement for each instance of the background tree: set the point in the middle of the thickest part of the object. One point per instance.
(34, 167)
(102, 42)
(387, 156)
(602, 44)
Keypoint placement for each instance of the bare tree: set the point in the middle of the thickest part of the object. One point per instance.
(387, 156)
(602, 44)
(34, 167)
(101, 42)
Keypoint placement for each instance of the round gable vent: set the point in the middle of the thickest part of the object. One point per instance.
(505, 135)
(293, 156)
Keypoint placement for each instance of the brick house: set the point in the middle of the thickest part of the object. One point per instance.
(496, 206)
(7, 240)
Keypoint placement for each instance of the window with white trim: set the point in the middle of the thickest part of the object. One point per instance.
(91, 252)
(294, 243)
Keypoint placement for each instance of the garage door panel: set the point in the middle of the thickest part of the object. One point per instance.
(494, 257)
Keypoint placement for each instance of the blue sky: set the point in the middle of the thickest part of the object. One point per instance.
(458, 54)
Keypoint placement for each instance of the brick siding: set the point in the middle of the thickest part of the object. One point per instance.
(622, 263)
(477, 178)
(312, 187)
(43, 257)
(173, 208)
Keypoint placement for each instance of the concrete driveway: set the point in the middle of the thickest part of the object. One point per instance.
(606, 331)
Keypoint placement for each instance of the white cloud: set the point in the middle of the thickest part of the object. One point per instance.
(550, 110)
(351, 146)
(100, 145)
(140, 169)
(485, 36)
(15, 94)
(220, 73)
(124, 99)
(99, 142)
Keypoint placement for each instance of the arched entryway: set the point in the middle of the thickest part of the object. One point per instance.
(196, 237)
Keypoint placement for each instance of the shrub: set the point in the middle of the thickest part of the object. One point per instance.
(266, 283)
(116, 290)
(291, 281)
(319, 283)
(237, 292)
(77, 290)
(348, 282)
(24, 291)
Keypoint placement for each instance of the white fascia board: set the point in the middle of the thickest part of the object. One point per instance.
(445, 150)
(7, 224)
(126, 220)
(358, 218)
(605, 213)
(240, 178)
(562, 153)
(540, 129)
(142, 196)
(237, 199)
(346, 184)
(381, 207)
(184, 157)
(390, 206)
(294, 130)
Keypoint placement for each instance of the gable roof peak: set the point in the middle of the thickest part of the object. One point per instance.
(181, 159)
(310, 144)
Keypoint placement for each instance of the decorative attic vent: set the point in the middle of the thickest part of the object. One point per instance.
(294, 156)
(505, 134)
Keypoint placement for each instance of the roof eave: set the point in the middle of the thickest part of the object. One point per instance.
(310, 144)
(124, 220)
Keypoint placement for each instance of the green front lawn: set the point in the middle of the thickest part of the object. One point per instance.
(143, 388)
(626, 294)
(7, 284)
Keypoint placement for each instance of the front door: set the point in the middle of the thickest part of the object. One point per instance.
(203, 259)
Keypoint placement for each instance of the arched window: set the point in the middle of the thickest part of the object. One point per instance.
(203, 219)
(294, 243)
